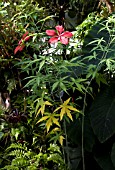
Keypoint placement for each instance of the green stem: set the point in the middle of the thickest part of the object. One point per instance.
(66, 140)
(83, 158)
(67, 147)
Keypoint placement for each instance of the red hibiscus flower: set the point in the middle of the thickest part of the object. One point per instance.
(21, 44)
(59, 35)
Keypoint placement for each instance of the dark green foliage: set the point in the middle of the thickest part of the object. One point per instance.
(113, 155)
(102, 113)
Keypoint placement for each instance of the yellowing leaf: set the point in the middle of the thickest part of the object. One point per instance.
(42, 109)
(48, 103)
(57, 109)
(62, 113)
(66, 109)
(66, 102)
(48, 124)
(55, 121)
(55, 129)
(72, 108)
(69, 114)
(61, 138)
(42, 119)
(38, 112)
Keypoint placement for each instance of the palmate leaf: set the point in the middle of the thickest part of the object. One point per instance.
(66, 109)
(50, 119)
(42, 108)
(102, 113)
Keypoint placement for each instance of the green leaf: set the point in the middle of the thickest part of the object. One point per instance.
(75, 135)
(1, 134)
(54, 86)
(15, 132)
(41, 64)
(102, 113)
(99, 42)
(63, 87)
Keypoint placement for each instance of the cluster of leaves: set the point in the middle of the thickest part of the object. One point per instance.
(23, 158)
(57, 92)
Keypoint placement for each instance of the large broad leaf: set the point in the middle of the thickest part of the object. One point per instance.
(113, 155)
(74, 156)
(102, 113)
(74, 130)
(105, 162)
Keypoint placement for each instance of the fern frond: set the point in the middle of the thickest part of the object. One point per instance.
(16, 146)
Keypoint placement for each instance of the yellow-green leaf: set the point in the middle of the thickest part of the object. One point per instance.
(48, 103)
(55, 121)
(66, 102)
(61, 138)
(42, 119)
(38, 112)
(48, 124)
(57, 109)
(42, 109)
(69, 114)
(55, 129)
(72, 108)
(62, 113)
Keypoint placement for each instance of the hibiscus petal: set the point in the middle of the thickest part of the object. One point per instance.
(59, 28)
(51, 32)
(27, 38)
(24, 35)
(21, 47)
(64, 40)
(20, 42)
(53, 40)
(67, 34)
(16, 49)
